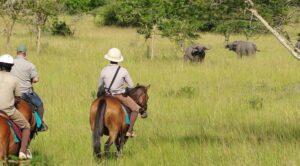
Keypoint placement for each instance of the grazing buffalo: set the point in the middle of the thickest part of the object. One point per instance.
(298, 44)
(242, 48)
(195, 53)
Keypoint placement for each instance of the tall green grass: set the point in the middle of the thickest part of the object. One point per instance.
(225, 111)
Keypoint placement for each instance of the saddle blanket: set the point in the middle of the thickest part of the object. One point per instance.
(38, 120)
(127, 119)
(16, 130)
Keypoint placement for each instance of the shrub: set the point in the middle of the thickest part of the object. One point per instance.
(75, 6)
(60, 28)
(256, 102)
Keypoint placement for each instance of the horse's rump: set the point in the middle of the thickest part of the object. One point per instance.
(109, 110)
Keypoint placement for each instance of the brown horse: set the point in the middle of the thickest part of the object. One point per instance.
(107, 117)
(7, 143)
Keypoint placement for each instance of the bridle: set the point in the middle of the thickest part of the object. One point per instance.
(142, 104)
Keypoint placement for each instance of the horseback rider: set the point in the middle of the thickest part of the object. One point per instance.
(27, 74)
(10, 88)
(117, 88)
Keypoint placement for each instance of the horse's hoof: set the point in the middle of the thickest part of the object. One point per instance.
(119, 154)
(144, 115)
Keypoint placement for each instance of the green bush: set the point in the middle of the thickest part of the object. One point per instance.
(60, 28)
(76, 6)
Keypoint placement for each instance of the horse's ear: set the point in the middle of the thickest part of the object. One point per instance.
(148, 86)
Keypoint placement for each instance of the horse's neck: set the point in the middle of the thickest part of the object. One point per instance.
(135, 93)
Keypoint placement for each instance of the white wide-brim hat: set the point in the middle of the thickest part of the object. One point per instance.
(6, 58)
(114, 55)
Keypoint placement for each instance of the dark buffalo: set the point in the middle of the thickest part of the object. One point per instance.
(195, 53)
(242, 48)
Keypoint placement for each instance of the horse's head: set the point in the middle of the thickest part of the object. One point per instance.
(140, 96)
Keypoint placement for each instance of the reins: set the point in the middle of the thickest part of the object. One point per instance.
(143, 107)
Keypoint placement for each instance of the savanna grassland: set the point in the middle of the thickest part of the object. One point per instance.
(225, 111)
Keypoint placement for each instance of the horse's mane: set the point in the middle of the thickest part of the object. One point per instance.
(138, 87)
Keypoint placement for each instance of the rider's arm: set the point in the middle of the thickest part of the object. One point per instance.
(128, 80)
(101, 79)
(17, 92)
(34, 75)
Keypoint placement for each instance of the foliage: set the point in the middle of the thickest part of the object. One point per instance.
(10, 12)
(171, 18)
(39, 13)
(78, 6)
(75, 6)
(96, 3)
(60, 28)
(181, 20)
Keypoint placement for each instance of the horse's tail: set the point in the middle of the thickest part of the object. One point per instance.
(99, 127)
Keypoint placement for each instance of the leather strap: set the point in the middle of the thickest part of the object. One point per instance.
(112, 81)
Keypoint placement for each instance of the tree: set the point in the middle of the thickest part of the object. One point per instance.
(181, 20)
(286, 43)
(10, 12)
(40, 12)
(155, 17)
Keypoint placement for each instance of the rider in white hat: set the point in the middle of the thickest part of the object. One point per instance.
(10, 89)
(118, 87)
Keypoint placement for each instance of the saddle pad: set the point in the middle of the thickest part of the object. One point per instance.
(127, 119)
(38, 120)
(16, 130)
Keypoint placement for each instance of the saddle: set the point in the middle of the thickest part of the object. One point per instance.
(16, 130)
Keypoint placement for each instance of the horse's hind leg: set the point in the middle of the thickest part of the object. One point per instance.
(4, 145)
(120, 141)
(111, 139)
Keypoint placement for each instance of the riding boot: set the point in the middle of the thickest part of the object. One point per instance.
(133, 118)
(40, 111)
(24, 143)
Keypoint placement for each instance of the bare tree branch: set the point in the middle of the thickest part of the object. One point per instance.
(291, 48)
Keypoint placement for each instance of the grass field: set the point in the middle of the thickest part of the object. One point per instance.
(225, 111)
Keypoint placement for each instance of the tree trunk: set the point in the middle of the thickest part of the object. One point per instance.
(38, 38)
(152, 41)
(8, 32)
(291, 48)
